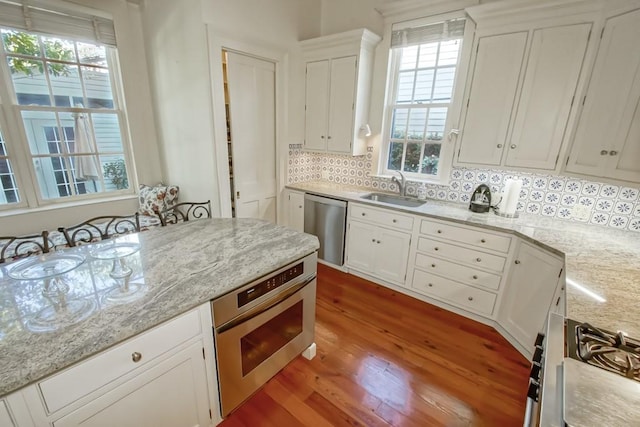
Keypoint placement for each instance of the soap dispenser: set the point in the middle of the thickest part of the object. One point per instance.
(480, 199)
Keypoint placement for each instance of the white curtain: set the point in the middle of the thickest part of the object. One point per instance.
(86, 166)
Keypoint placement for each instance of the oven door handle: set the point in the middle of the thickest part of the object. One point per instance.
(261, 308)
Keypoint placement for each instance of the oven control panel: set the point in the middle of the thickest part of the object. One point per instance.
(267, 285)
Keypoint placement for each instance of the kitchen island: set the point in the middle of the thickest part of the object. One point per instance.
(178, 268)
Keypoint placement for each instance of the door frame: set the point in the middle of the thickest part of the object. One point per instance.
(280, 58)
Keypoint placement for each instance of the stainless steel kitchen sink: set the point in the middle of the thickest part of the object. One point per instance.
(394, 200)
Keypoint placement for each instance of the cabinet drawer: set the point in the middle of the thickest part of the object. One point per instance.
(458, 272)
(479, 238)
(463, 255)
(381, 216)
(89, 375)
(455, 293)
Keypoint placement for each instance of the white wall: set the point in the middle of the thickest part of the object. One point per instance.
(341, 15)
(142, 132)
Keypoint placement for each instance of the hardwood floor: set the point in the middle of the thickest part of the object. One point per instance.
(388, 359)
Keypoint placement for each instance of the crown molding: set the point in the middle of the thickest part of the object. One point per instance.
(402, 10)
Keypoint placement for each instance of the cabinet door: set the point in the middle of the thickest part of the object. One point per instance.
(491, 99)
(529, 292)
(361, 240)
(316, 105)
(170, 394)
(624, 159)
(5, 417)
(391, 256)
(550, 81)
(295, 211)
(610, 107)
(341, 104)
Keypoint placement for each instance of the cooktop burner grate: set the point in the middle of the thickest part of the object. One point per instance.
(614, 352)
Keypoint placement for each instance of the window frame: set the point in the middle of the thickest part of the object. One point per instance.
(452, 123)
(17, 141)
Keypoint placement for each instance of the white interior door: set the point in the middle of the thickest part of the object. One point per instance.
(251, 84)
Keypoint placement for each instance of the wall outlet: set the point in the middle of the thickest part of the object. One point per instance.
(581, 213)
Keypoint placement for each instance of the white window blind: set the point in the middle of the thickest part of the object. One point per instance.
(55, 18)
(442, 31)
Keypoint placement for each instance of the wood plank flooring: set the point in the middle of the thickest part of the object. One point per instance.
(388, 359)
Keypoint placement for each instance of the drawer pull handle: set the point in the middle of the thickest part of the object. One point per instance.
(436, 249)
(439, 231)
(483, 241)
(363, 214)
(395, 220)
(433, 265)
(478, 259)
(430, 285)
(136, 357)
(475, 277)
(470, 298)
(517, 261)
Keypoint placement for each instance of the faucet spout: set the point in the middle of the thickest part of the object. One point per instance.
(402, 183)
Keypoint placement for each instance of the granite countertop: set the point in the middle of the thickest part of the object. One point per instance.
(177, 268)
(602, 260)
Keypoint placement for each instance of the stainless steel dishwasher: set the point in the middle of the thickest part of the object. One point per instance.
(326, 218)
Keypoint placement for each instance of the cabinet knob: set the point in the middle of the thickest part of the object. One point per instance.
(439, 231)
(499, 145)
(436, 249)
(470, 298)
(433, 266)
(517, 261)
(395, 220)
(483, 241)
(604, 152)
(430, 285)
(328, 137)
(373, 240)
(321, 136)
(613, 153)
(378, 241)
(136, 357)
(478, 259)
(364, 214)
(300, 206)
(475, 277)
(513, 146)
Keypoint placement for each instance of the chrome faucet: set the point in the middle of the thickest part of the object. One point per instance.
(401, 183)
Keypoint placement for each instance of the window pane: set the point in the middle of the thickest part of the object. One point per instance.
(435, 124)
(449, 51)
(65, 83)
(408, 57)
(417, 122)
(42, 132)
(115, 172)
(86, 174)
(52, 177)
(19, 42)
(443, 88)
(412, 158)
(9, 193)
(395, 155)
(107, 131)
(92, 54)
(29, 81)
(428, 55)
(98, 87)
(55, 48)
(424, 86)
(399, 125)
(430, 159)
(405, 87)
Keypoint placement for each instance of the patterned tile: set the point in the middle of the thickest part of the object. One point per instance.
(604, 205)
(630, 194)
(599, 218)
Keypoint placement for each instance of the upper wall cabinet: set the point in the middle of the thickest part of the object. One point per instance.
(337, 91)
(521, 92)
(607, 138)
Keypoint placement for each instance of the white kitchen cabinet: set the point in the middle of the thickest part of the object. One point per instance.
(337, 91)
(295, 210)
(491, 99)
(531, 286)
(545, 75)
(378, 251)
(607, 138)
(5, 418)
(171, 393)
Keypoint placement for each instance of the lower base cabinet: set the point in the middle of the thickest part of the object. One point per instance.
(171, 394)
(533, 280)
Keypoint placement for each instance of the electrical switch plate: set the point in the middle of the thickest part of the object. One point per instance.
(581, 213)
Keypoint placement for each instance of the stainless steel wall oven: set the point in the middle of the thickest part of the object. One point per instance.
(261, 327)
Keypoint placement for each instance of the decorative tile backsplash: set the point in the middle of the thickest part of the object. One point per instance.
(549, 195)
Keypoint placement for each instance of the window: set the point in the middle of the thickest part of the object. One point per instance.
(69, 126)
(424, 64)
